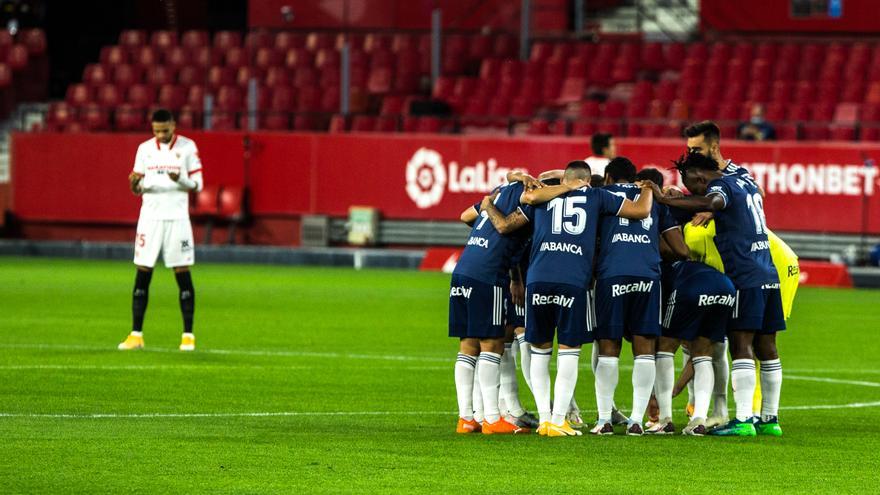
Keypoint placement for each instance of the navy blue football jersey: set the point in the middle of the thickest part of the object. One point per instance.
(564, 236)
(631, 248)
(488, 255)
(741, 232)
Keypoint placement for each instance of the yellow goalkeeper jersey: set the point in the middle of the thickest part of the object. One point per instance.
(701, 242)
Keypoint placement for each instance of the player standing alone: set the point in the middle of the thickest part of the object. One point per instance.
(166, 169)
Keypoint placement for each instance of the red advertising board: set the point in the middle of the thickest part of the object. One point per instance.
(811, 187)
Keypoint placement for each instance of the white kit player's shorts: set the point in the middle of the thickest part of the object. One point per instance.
(174, 238)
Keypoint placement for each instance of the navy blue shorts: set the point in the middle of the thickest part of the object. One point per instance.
(476, 309)
(690, 314)
(558, 309)
(627, 306)
(516, 315)
(758, 309)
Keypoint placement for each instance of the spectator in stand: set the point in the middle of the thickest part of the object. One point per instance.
(756, 129)
(604, 150)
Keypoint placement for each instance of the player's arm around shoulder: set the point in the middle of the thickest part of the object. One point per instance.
(538, 196)
(641, 207)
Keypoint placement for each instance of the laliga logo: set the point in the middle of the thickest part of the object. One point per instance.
(425, 178)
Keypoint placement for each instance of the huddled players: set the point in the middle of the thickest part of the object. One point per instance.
(582, 264)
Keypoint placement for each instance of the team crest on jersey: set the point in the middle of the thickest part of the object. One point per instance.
(647, 223)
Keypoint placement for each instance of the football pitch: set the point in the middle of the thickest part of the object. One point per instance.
(310, 380)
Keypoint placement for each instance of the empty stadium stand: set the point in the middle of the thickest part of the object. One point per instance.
(813, 90)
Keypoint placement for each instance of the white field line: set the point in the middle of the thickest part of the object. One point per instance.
(272, 414)
(828, 380)
(399, 357)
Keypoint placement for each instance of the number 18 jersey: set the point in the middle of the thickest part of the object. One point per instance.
(741, 232)
(564, 239)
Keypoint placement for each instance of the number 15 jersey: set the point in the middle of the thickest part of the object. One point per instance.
(564, 239)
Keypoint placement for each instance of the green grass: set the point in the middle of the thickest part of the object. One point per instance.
(337, 341)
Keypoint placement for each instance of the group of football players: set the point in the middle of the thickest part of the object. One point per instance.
(551, 257)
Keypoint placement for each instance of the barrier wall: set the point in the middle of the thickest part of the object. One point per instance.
(837, 16)
(811, 187)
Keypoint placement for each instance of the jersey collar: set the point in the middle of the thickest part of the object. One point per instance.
(170, 145)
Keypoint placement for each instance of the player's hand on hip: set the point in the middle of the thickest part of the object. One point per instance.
(702, 218)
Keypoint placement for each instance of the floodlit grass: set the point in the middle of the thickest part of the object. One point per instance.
(332, 380)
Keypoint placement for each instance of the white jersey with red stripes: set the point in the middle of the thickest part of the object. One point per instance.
(164, 199)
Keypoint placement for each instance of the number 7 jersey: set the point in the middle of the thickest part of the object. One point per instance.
(741, 232)
(564, 239)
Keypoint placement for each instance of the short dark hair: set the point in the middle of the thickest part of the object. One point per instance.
(597, 180)
(621, 168)
(162, 115)
(577, 169)
(599, 142)
(708, 129)
(651, 174)
(695, 161)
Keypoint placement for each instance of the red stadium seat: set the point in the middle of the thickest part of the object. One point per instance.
(235, 57)
(108, 96)
(194, 38)
(171, 97)
(114, 55)
(145, 56)
(163, 40)
(132, 38)
(140, 96)
(126, 75)
(285, 40)
(843, 132)
(220, 76)
(226, 40)
(316, 41)
(816, 132)
(846, 113)
(363, 123)
(129, 118)
(191, 76)
(266, 58)
(78, 95)
(94, 117)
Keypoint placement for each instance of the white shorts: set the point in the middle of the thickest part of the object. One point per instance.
(173, 238)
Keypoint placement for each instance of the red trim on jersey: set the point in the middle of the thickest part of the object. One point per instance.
(157, 144)
(196, 171)
(173, 140)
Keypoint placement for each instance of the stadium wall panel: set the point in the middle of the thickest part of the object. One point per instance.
(855, 16)
(81, 178)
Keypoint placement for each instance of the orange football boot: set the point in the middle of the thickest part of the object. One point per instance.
(502, 427)
(467, 426)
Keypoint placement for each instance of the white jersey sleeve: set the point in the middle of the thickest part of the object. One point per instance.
(193, 166)
(139, 165)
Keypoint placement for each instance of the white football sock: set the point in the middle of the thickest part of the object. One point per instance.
(664, 382)
(771, 386)
(643, 375)
(137, 333)
(743, 378)
(721, 366)
(594, 356)
(704, 382)
(525, 358)
(540, 372)
(566, 379)
(690, 385)
(464, 384)
(489, 381)
(478, 395)
(509, 391)
(606, 383)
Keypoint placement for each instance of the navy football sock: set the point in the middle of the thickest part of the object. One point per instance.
(187, 299)
(139, 299)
